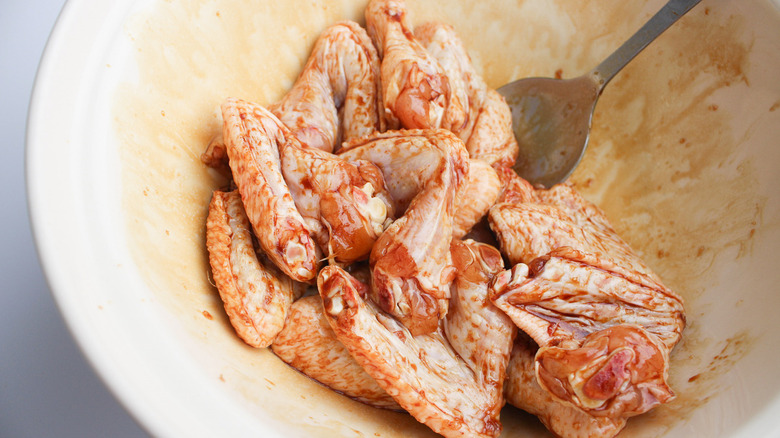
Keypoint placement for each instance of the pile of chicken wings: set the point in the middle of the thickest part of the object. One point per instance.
(375, 237)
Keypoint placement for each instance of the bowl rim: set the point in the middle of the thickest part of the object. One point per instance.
(42, 111)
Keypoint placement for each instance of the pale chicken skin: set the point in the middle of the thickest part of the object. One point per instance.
(308, 344)
(451, 379)
(603, 321)
(408, 168)
(487, 130)
(411, 267)
(467, 89)
(415, 89)
(256, 295)
(531, 222)
(406, 158)
(564, 420)
(480, 192)
(336, 97)
(252, 137)
(477, 330)
(345, 204)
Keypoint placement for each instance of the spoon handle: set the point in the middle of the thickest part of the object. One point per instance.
(661, 21)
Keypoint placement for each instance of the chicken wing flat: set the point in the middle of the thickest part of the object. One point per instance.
(336, 97)
(252, 136)
(256, 295)
(564, 420)
(415, 89)
(487, 130)
(411, 266)
(344, 203)
(455, 388)
(603, 321)
(531, 222)
(604, 340)
(308, 344)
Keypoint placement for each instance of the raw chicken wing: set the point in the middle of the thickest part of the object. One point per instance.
(603, 321)
(604, 340)
(344, 203)
(425, 374)
(466, 86)
(256, 295)
(477, 330)
(252, 137)
(336, 97)
(415, 88)
(487, 131)
(564, 420)
(411, 267)
(532, 222)
(308, 344)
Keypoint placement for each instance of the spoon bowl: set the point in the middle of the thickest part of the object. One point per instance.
(551, 118)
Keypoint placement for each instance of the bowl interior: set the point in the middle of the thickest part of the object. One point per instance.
(682, 158)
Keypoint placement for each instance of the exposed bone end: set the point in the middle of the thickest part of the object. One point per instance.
(402, 308)
(330, 284)
(377, 212)
(368, 189)
(340, 291)
(375, 185)
(297, 258)
(336, 305)
(295, 253)
(373, 208)
(507, 280)
(617, 372)
(418, 311)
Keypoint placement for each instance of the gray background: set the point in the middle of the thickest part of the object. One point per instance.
(47, 388)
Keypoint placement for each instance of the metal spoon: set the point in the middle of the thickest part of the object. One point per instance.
(552, 117)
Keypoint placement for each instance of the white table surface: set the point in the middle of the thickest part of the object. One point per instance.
(47, 388)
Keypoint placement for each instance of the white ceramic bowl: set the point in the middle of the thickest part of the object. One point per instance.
(684, 158)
